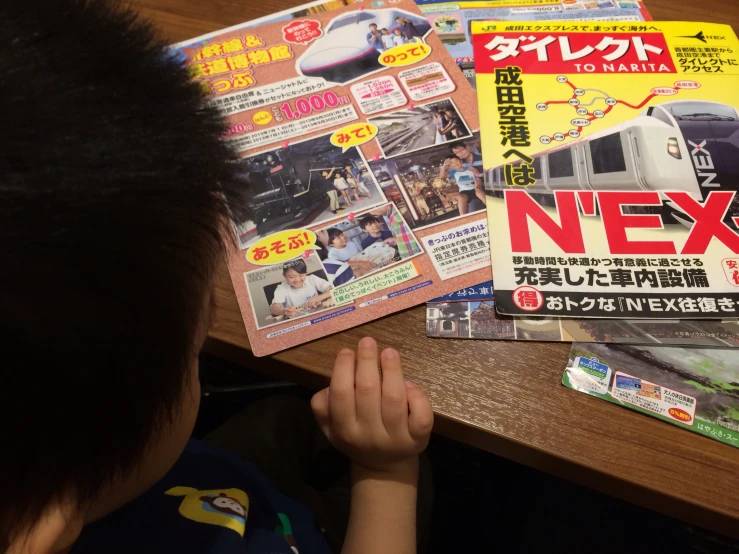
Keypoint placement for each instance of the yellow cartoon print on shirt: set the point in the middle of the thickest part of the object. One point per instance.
(224, 507)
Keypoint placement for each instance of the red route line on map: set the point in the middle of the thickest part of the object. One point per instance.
(608, 109)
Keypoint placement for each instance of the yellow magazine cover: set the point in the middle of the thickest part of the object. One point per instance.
(611, 157)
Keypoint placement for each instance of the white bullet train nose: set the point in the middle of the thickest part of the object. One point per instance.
(333, 56)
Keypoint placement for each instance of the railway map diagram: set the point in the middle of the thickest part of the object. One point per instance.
(587, 112)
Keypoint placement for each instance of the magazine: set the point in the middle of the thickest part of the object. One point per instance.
(612, 163)
(343, 119)
(693, 388)
(453, 21)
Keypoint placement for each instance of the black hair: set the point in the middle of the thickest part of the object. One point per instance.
(298, 265)
(366, 220)
(460, 144)
(115, 187)
(333, 233)
(452, 157)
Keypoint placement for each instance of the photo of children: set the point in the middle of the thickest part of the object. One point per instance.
(303, 184)
(295, 289)
(365, 243)
(413, 129)
(437, 184)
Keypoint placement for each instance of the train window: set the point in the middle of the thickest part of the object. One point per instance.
(607, 154)
(661, 115)
(560, 164)
(351, 20)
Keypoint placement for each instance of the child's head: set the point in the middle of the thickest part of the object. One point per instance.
(398, 32)
(337, 238)
(384, 31)
(454, 162)
(112, 223)
(295, 273)
(450, 111)
(370, 224)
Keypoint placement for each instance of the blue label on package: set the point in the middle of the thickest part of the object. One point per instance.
(593, 367)
(476, 293)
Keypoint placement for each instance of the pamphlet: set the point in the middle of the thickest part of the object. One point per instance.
(612, 161)
(693, 388)
(453, 21)
(344, 119)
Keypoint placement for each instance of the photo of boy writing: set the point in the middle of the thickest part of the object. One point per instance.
(299, 291)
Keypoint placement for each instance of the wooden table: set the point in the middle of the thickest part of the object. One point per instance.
(504, 397)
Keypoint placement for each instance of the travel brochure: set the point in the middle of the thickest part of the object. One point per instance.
(362, 151)
(696, 389)
(611, 157)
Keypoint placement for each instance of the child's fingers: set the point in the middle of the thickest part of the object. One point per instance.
(394, 399)
(341, 405)
(421, 417)
(319, 405)
(367, 384)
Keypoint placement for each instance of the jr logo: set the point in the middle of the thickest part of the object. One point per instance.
(704, 165)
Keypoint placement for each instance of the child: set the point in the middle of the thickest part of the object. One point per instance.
(340, 247)
(373, 227)
(398, 38)
(298, 290)
(388, 40)
(341, 250)
(468, 180)
(353, 175)
(343, 187)
(132, 216)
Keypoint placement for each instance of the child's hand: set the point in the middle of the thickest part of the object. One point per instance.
(290, 312)
(314, 302)
(381, 426)
(391, 242)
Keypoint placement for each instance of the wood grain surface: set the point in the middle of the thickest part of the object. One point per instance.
(502, 396)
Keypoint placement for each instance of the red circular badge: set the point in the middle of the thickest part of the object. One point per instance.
(528, 299)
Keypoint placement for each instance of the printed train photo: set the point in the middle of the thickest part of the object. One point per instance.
(304, 184)
(419, 127)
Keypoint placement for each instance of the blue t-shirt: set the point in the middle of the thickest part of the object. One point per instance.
(369, 240)
(464, 177)
(476, 161)
(211, 501)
